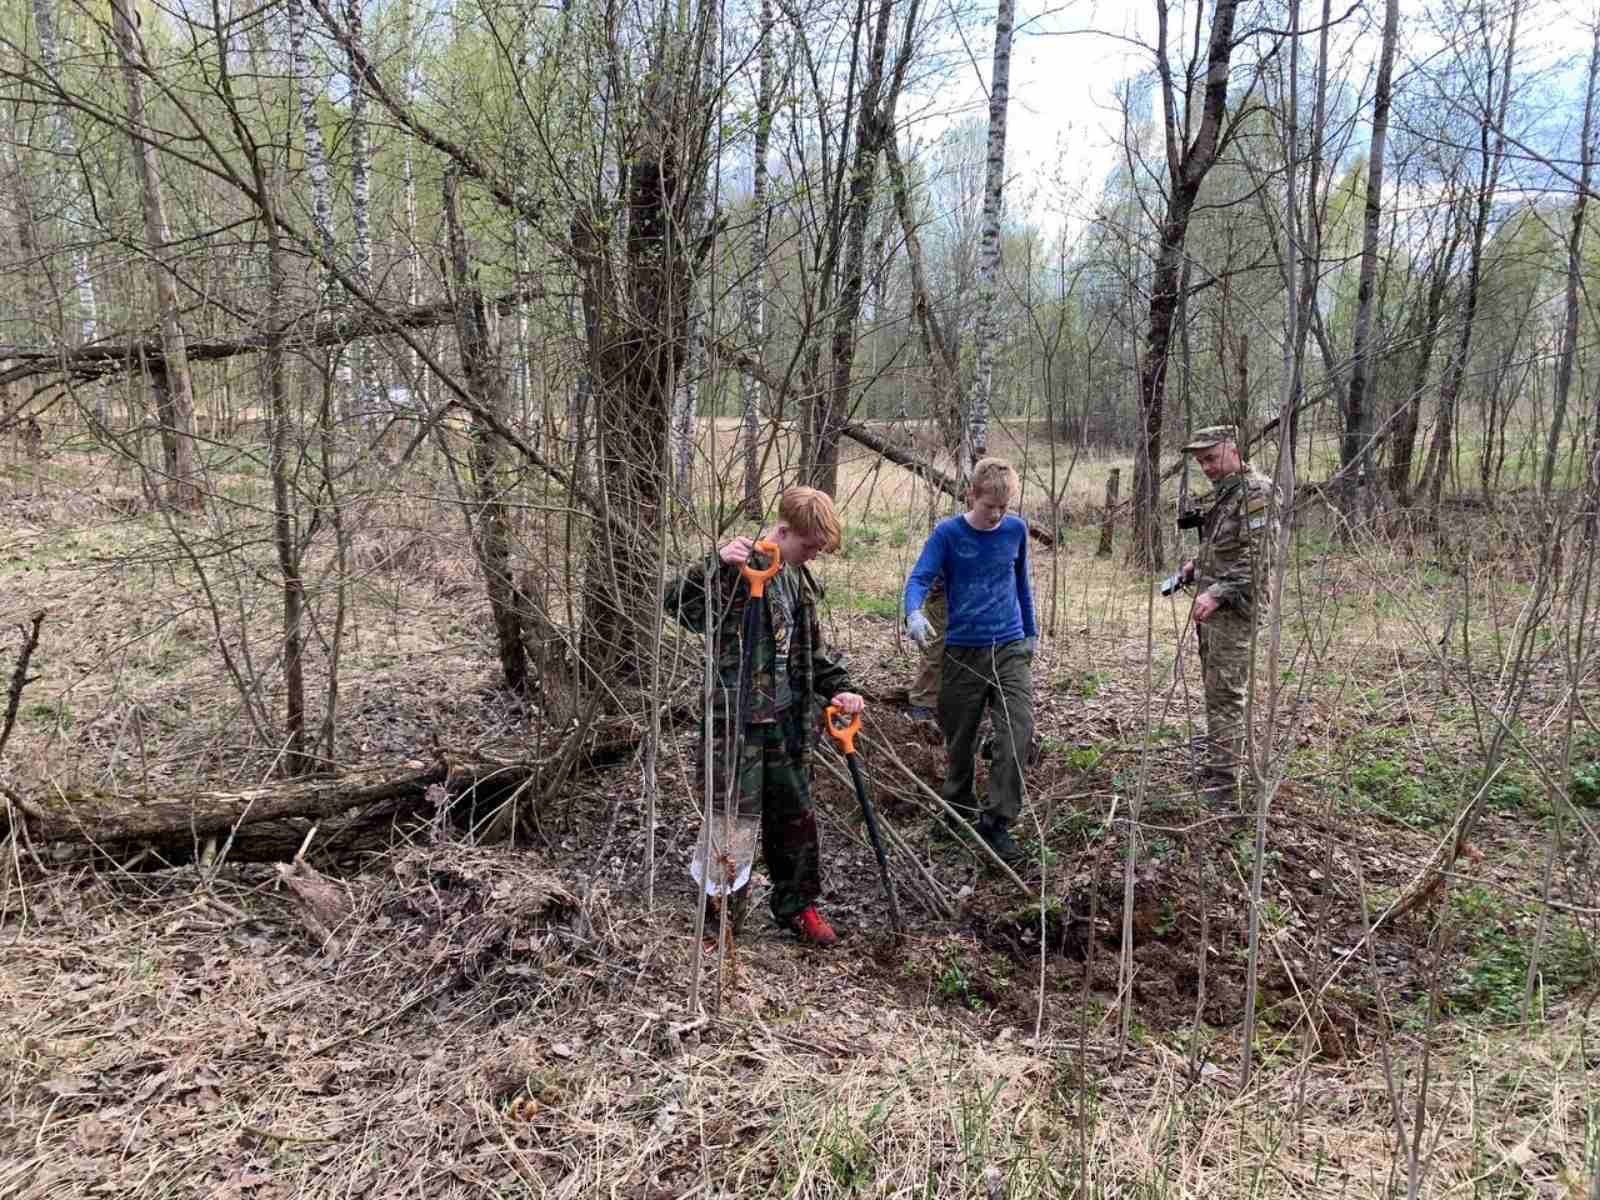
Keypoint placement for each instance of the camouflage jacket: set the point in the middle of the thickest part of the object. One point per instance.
(814, 675)
(1235, 538)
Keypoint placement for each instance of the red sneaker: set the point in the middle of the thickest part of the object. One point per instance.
(811, 926)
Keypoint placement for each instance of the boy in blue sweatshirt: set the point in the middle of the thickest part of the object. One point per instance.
(989, 639)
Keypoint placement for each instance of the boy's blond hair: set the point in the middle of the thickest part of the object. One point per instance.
(995, 478)
(810, 514)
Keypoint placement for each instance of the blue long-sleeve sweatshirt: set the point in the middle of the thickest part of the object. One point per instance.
(985, 575)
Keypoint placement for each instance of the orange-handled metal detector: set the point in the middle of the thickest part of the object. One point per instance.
(757, 577)
(845, 735)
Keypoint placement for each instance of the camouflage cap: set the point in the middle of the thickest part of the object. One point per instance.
(1212, 435)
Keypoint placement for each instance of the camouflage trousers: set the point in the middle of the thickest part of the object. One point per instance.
(1225, 668)
(924, 689)
(770, 783)
(998, 679)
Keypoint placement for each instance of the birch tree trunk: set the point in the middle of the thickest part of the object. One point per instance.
(174, 394)
(1491, 127)
(1188, 161)
(1354, 455)
(975, 430)
(1569, 330)
(755, 292)
(67, 184)
(308, 90)
(490, 526)
(360, 205)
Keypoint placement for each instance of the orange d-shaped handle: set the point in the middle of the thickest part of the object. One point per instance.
(844, 734)
(757, 577)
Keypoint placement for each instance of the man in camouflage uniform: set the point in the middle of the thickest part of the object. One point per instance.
(790, 673)
(1230, 571)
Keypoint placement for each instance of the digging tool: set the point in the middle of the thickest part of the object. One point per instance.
(845, 735)
(733, 854)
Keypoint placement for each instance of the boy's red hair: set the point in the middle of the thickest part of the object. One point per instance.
(810, 514)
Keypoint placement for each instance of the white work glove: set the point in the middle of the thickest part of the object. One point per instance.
(1030, 645)
(919, 628)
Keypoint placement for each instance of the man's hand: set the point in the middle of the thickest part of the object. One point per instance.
(848, 702)
(1030, 645)
(1204, 605)
(737, 552)
(919, 628)
(1186, 572)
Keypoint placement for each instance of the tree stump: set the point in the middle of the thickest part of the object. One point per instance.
(1113, 486)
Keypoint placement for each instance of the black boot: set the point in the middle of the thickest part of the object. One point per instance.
(993, 830)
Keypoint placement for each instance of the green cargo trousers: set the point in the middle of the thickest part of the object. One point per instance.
(997, 679)
(770, 782)
(1225, 669)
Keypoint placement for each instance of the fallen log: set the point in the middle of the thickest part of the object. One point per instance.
(364, 799)
(100, 359)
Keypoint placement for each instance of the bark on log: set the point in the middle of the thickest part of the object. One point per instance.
(108, 358)
(370, 796)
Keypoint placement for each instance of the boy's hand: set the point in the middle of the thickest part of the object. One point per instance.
(919, 628)
(736, 552)
(848, 702)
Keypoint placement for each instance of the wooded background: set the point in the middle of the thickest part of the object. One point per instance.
(513, 260)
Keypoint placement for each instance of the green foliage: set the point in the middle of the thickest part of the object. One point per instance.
(1498, 940)
(1384, 781)
(954, 985)
(1084, 758)
(52, 711)
(874, 603)
(1084, 684)
(1584, 787)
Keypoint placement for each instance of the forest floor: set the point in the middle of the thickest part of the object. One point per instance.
(450, 1020)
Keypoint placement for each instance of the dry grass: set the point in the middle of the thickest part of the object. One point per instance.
(455, 1021)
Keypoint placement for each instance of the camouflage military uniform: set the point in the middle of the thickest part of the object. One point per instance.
(1232, 566)
(786, 697)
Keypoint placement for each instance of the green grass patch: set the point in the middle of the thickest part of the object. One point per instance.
(1498, 939)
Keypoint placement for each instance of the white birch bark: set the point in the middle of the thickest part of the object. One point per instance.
(360, 205)
(309, 90)
(69, 187)
(175, 396)
(755, 291)
(975, 433)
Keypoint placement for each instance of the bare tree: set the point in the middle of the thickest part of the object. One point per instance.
(875, 118)
(755, 290)
(1569, 329)
(490, 527)
(1491, 155)
(68, 185)
(170, 378)
(1188, 161)
(975, 429)
(1354, 455)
